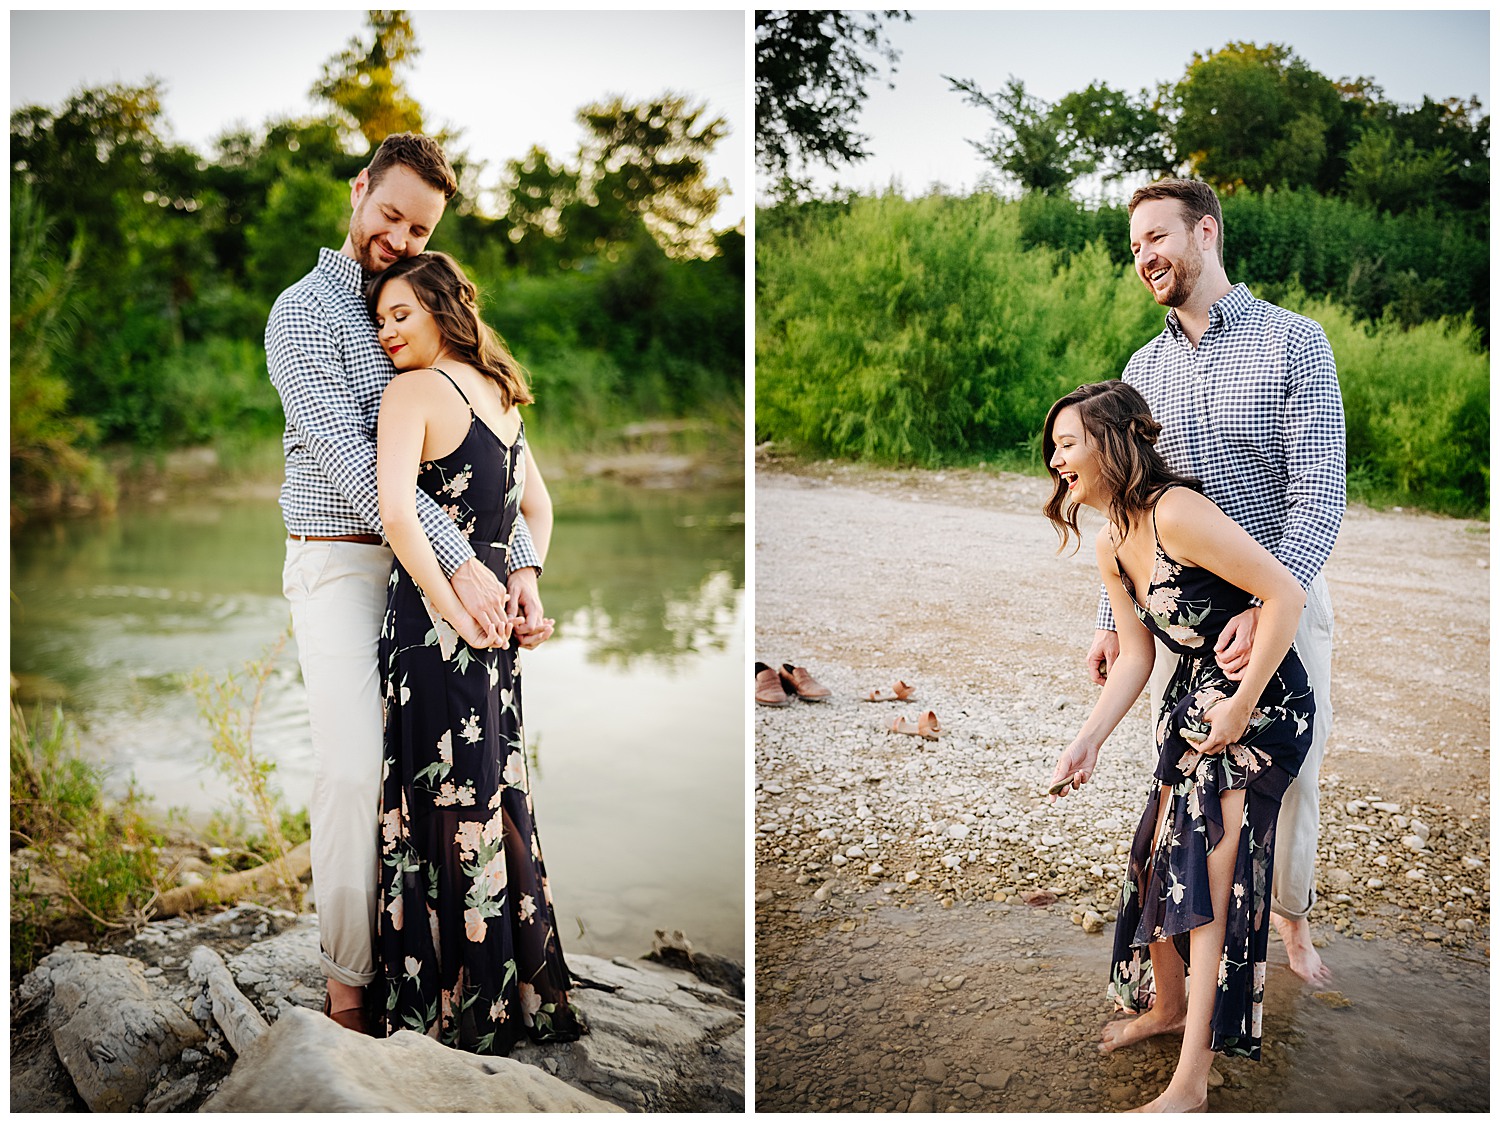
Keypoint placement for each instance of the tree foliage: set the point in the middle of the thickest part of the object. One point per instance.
(640, 165)
(1247, 118)
(811, 71)
(363, 81)
(142, 272)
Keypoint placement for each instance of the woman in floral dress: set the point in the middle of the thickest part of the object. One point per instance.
(1197, 892)
(466, 940)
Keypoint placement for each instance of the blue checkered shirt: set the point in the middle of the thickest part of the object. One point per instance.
(330, 370)
(1254, 412)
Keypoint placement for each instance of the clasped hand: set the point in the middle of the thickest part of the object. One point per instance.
(1227, 719)
(494, 611)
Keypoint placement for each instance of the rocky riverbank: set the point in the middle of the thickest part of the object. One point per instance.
(949, 581)
(219, 1014)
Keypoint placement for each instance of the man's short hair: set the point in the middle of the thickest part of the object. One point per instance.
(1195, 197)
(421, 154)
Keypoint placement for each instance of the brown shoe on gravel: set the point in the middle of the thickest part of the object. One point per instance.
(768, 690)
(796, 680)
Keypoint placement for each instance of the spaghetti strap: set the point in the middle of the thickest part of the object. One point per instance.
(464, 396)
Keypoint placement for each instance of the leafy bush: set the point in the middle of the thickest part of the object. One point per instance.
(927, 332)
(924, 332)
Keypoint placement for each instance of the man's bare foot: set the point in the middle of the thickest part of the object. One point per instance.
(1304, 959)
(1127, 1031)
(1169, 1101)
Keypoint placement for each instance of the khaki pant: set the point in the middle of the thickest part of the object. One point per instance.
(337, 592)
(1292, 891)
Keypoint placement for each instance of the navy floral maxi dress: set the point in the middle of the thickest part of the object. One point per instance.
(465, 938)
(1166, 892)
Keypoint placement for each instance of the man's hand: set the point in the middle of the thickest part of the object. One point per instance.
(1102, 655)
(1232, 652)
(525, 607)
(483, 597)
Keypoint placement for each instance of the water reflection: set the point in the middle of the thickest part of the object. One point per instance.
(635, 709)
(646, 573)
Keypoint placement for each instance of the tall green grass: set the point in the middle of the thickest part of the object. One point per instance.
(935, 331)
(80, 864)
(923, 332)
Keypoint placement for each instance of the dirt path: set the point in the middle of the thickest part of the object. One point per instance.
(949, 581)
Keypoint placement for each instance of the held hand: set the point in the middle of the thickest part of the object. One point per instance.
(1102, 656)
(1232, 652)
(1077, 761)
(524, 604)
(537, 636)
(483, 597)
(471, 633)
(1227, 719)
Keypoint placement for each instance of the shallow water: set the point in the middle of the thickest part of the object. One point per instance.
(997, 1007)
(635, 708)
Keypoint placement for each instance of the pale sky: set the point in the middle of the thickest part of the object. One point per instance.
(919, 130)
(507, 79)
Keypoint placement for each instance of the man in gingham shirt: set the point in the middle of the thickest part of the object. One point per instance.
(1247, 396)
(330, 370)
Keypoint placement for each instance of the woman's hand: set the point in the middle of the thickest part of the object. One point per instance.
(1077, 761)
(476, 636)
(1227, 719)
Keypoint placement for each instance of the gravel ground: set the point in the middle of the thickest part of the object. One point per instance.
(949, 580)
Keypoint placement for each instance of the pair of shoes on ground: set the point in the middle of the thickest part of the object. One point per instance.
(900, 692)
(926, 727)
(776, 687)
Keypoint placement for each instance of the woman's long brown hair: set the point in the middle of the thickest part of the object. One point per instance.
(453, 301)
(1119, 427)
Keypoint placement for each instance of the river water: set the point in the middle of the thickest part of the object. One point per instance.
(872, 1006)
(635, 708)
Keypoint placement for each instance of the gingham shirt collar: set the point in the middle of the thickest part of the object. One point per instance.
(342, 271)
(1221, 315)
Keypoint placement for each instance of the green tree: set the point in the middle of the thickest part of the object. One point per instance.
(640, 166)
(648, 162)
(304, 210)
(49, 461)
(811, 69)
(1027, 144)
(1122, 134)
(363, 81)
(1249, 116)
(1394, 176)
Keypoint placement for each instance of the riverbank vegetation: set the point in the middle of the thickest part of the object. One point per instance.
(937, 330)
(84, 865)
(142, 271)
(79, 865)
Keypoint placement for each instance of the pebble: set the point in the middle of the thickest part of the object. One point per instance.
(1093, 922)
(934, 1070)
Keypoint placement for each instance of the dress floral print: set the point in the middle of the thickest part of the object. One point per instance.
(1166, 892)
(466, 939)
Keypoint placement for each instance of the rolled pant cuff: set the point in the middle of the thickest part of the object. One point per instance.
(343, 974)
(1288, 914)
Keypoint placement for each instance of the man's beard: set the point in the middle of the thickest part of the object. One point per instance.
(1185, 276)
(364, 246)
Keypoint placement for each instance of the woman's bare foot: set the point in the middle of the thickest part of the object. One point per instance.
(1127, 1031)
(1170, 1101)
(1304, 959)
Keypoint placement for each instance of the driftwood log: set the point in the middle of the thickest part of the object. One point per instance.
(230, 887)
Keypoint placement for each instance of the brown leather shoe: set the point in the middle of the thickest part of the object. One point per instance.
(768, 690)
(352, 1018)
(796, 680)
